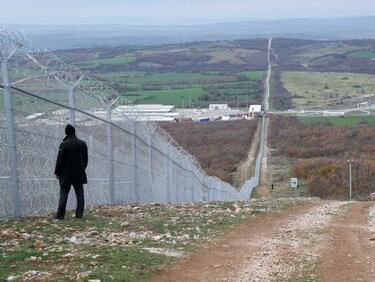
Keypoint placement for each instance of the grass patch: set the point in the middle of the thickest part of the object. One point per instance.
(119, 263)
(314, 89)
(118, 60)
(256, 75)
(166, 96)
(323, 49)
(339, 121)
(367, 54)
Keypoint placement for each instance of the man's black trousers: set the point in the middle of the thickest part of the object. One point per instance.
(64, 192)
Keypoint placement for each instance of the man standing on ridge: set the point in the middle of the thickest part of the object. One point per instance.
(70, 169)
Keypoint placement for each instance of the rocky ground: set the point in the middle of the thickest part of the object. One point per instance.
(119, 243)
(301, 239)
(319, 241)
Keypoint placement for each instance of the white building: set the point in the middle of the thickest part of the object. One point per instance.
(146, 112)
(255, 109)
(218, 107)
(363, 105)
(333, 114)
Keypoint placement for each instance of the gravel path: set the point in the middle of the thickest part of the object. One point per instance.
(291, 250)
(350, 250)
(272, 247)
(320, 241)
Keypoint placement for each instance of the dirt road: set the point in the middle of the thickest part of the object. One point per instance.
(319, 241)
(350, 254)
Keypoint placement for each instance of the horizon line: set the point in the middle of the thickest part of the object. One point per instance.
(231, 21)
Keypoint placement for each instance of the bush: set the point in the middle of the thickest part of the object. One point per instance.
(324, 150)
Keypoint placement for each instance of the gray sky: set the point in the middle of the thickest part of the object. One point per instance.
(174, 12)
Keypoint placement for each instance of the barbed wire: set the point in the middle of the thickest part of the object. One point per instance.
(147, 160)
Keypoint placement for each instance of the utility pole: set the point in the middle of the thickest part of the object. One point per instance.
(350, 179)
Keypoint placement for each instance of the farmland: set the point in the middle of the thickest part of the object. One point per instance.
(307, 73)
(367, 54)
(310, 73)
(314, 89)
(191, 74)
(201, 88)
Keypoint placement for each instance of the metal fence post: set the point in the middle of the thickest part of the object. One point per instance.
(11, 137)
(190, 166)
(72, 101)
(110, 151)
(151, 168)
(135, 165)
(72, 105)
(110, 156)
(176, 186)
(168, 175)
(186, 182)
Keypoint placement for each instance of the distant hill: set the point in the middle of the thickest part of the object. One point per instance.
(78, 36)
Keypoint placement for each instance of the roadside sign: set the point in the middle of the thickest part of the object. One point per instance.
(294, 182)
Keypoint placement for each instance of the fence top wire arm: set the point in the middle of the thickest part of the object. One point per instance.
(10, 42)
(68, 76)
(43, 76)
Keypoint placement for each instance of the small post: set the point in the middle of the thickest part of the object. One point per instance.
(151, 168)
(177, 186)
(72, 99)
(72, 104)
(350, 179)
(110, 151)
(11, 137)
(134, 150)
(168, 175)
(190, 184)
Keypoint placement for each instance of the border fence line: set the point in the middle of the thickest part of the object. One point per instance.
(129, 161)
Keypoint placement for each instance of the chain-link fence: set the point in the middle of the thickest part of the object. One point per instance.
(129, 161)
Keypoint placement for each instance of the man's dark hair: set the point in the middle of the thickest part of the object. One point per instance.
(70, 130)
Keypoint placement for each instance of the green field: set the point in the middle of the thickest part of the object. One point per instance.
(256, 75)
(168, 96)
(178, 88)
(368, 54)
(200, 73)
(325, 49)
(118, 60)
(315, 89)
(178, 77)
(340, 121)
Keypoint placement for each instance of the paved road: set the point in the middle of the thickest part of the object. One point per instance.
(263, 142)
(322, 112)
(269, 72)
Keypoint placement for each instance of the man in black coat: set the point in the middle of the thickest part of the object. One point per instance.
(70, 169)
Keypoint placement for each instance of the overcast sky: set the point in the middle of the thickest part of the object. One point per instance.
(174, 11)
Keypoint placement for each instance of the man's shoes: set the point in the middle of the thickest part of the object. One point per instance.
(58, 218)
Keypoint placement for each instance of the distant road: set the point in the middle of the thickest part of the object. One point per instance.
(322, 112)
(263, 149)
(269, 72)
